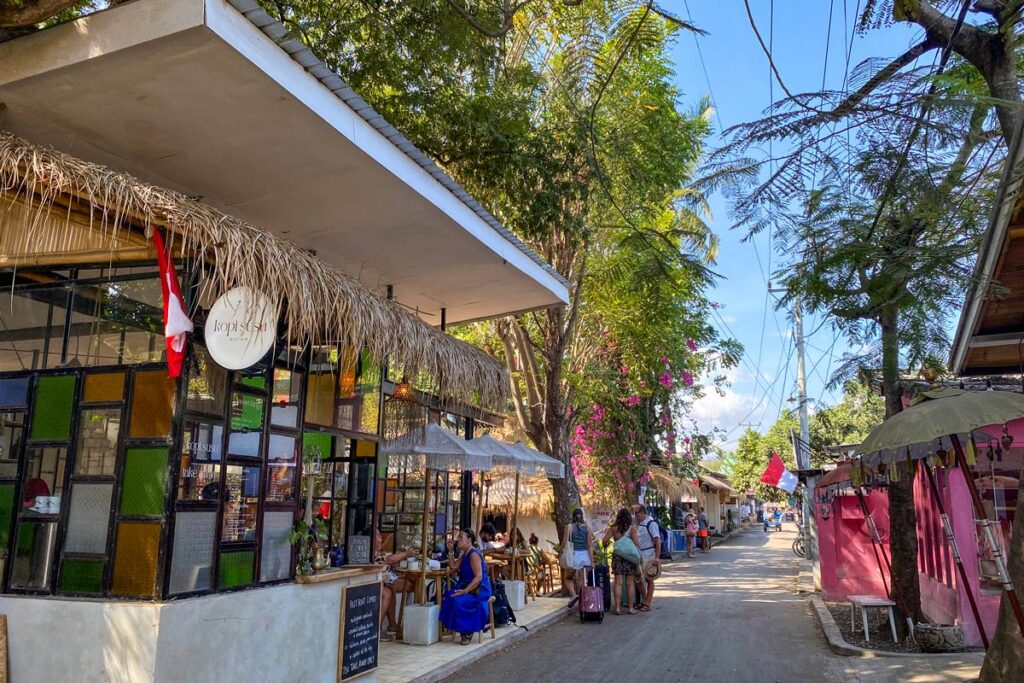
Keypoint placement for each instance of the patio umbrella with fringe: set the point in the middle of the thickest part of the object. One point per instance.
(433, 447)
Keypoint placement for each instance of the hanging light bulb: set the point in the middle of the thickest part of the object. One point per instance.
(1007, 440)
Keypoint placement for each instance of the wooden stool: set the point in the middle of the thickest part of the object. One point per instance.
(490, 622)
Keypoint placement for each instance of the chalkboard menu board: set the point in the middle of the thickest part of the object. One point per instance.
(359, 631)
(359, 550)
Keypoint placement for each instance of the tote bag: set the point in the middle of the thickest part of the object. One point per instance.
(565, 560)
(627, 550)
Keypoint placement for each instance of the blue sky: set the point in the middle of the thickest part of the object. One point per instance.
(739, 76)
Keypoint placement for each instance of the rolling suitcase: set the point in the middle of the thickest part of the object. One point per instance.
(591, 601)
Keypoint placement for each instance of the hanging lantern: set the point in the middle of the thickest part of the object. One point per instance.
(1007, 440)
(404, 391)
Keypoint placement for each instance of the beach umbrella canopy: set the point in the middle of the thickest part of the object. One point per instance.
(535, 462)
(434, 447)
(934, 417)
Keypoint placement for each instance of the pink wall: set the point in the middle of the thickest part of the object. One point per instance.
(848, 563)
(946, 595)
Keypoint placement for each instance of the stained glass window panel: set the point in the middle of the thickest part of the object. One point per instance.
(82, 576)
(135, 559)
(276, 557)
(14, 392)
(236, 568)
(152, 404)
(192, 554)
(88, 518)
(104, 388)
(54, 399)
(98, 429)
(145, 477)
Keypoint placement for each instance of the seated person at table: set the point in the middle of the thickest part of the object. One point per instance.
(488, 537)
(534, 540)
(519, 543)
(464, 608)
(393, 586)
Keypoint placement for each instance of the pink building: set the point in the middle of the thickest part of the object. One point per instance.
(848, 561)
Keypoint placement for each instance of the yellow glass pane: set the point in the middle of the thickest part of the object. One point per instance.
(320, 399)
(365, 449)
(152, 404)
(105, 388)
(135, 560)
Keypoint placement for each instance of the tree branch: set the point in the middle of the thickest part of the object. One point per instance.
(30, 12)
(883, 75)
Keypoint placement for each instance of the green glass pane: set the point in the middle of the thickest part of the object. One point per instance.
(316, 445)
(236, 568)
(82, 576)
(51, 414)
(247, 412)
(6, 510)
(145, 476)
(255, 381)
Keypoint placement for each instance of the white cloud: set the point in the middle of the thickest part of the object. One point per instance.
(725, 410)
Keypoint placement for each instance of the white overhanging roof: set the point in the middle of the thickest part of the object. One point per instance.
(213, 99)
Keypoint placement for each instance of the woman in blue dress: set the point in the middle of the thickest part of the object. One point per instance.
(464, 608)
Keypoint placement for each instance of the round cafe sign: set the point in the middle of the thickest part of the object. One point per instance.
(240, 328)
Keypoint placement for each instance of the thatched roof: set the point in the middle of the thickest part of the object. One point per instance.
(323, 304)
(535, 495)
(673, 487)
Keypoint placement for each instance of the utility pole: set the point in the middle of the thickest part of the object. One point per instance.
(804, 455)
(802, 448)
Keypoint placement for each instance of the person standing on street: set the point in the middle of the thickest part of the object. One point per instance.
(650, 551)
(690, 525)
(582, 539)
(703, 532)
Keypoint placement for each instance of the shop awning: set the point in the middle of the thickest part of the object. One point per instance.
(323, 303)
(213, 99)
(714, 482)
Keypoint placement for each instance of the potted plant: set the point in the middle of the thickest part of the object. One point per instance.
(310, 539)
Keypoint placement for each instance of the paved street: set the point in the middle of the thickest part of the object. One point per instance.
(730, 616)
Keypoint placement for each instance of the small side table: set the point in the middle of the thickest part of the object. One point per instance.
(866, 602)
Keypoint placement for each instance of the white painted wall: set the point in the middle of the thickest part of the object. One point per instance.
(279, 633)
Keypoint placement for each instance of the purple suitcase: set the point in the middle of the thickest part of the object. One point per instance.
(592, 602)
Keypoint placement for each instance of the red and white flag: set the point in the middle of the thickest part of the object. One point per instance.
(176, 322)
(778, 476)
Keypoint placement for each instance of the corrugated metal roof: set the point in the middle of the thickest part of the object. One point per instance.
(274, 30)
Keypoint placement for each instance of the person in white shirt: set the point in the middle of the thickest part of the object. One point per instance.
(650, 551)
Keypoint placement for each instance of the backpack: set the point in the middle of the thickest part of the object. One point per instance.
(503, 614)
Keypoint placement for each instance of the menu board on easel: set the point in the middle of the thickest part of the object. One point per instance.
(359, 630)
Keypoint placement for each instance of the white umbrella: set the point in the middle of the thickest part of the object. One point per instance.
(433, 447)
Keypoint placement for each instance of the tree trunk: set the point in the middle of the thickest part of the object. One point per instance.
(1004, 660)
(902, 516)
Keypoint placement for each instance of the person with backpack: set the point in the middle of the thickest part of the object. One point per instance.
(625, 558)
(650, 552)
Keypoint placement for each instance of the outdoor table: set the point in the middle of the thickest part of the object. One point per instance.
(493, 565)
(866, 602)
(414, 578)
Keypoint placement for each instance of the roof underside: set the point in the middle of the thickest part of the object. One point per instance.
(195, 96)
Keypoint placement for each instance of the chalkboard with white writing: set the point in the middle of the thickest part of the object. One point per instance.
(359, 630)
